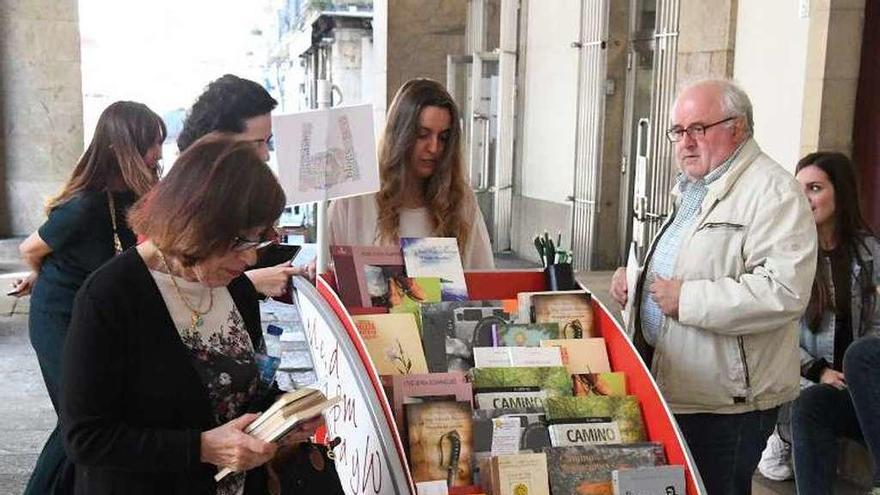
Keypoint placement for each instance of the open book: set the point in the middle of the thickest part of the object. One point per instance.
(288, 411)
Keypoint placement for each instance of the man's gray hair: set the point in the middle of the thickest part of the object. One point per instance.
(734, 101)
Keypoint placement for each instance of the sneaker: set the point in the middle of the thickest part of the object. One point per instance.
(776, 460)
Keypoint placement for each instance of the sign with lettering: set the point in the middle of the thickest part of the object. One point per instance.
(370, 458)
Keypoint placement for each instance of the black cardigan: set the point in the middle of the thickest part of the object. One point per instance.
(133, 406)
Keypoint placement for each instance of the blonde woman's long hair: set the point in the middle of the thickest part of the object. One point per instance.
(445, 192)
(125, 131)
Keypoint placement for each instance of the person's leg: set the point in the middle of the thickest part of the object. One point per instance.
(47, 334)
(861, 367)
(727, 447)
(775, 463)
(819, 417)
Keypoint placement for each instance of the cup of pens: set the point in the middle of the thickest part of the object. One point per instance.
(557, 262)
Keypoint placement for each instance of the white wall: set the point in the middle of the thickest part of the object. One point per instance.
(770, 64)
(550, 93)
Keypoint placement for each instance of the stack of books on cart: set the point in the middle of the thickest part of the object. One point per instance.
(501, 397)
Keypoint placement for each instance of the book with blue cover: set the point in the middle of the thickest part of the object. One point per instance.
(436, 257)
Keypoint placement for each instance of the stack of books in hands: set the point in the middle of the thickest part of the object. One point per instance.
(291, 409)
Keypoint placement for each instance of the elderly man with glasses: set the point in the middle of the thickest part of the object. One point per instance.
(723, 285)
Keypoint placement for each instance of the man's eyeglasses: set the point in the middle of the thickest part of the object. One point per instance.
(695, 131)
(244, 244)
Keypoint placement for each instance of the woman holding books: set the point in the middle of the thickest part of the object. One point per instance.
(85, 227)
(160, 367)
(842, 309)
(423, 190)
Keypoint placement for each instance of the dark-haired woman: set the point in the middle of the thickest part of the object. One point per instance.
(423, 189)
(241, 108)
(160, 369)
(842, 309)
(85, 227)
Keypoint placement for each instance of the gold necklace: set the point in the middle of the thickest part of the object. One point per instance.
(196, 316)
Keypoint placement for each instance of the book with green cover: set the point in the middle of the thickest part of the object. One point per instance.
(408, 299)
(554, 380)
(625, 411)
(608, 383)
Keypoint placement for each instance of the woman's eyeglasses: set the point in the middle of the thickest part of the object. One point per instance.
(244, 244)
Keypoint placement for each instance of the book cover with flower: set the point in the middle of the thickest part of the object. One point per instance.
(393, 343)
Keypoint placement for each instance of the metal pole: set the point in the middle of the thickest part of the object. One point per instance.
(324, 102)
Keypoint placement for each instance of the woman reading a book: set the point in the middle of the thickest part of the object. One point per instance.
(85, 227)
(423, 189)
(160, 362)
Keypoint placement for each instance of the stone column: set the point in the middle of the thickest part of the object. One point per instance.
(833, 55)
(420, 35)
(706, 41)
(40, 105)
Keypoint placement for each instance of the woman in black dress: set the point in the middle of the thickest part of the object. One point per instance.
(85, 227)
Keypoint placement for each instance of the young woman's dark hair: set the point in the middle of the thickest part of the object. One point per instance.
(224, 106)
(445, 190)
(217, 188)
(115, 156)
(850, 228)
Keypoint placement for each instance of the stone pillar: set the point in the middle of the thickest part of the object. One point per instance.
(707, 35)
(40, 106)
(420, 35)
(833, 56)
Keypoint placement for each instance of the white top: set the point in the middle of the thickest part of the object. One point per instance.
(353, 222)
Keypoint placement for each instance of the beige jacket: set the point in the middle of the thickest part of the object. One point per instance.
(747, 265)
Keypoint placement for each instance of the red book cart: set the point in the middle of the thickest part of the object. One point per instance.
(371, 459)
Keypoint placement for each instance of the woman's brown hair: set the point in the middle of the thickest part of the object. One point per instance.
(445, 191)
(125, 131)
(850, 230)
(217, 189)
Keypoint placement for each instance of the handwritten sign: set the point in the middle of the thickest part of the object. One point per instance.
(326, 154)
(370, 458)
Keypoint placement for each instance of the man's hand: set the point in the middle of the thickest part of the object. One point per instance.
(619, 290)
(665, 293)
(833, 378)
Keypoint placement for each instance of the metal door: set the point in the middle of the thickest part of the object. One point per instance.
(483, 84)
(590, 122)
(647, 155)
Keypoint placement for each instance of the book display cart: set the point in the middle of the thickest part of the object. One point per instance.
(371, 458)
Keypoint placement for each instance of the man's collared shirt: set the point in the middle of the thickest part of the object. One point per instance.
(662, 261)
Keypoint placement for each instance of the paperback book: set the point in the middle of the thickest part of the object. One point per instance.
(573, 313)
(436, 257)
(520, 474)
(526, 334)
(366, 276)
(393, 343)
(450, 330)
(588, 355)
(440, 439)
(289, 410)
(554, 380)
(412, 387)
(610, 383)
(587, 470)
(625, 411)
(654, 480)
